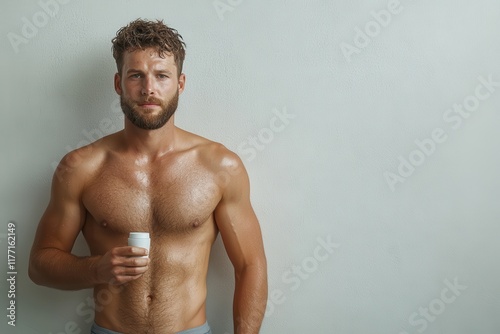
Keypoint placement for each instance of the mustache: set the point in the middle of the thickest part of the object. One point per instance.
(151, 100)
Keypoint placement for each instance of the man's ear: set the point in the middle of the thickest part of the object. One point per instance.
(182, 82)
(118, 84)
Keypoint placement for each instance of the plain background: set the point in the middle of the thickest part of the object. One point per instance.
(318, 174)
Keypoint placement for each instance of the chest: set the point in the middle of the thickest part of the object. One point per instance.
(167, 200)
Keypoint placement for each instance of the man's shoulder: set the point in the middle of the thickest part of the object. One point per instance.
(84, 160)
(213, 153)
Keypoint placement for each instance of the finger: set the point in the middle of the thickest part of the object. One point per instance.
(124, 279)
(129, 271)
(129, 251)
(137, 251)
(135, 261)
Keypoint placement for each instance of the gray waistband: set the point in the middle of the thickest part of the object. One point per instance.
(203, 329)
(96, 329)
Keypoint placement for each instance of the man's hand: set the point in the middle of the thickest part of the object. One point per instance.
(121, 265)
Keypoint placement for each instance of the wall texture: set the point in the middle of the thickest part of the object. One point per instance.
(369, 130)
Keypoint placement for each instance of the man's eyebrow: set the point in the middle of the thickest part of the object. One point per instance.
(130, 70)
(133, 70)
(164, 71)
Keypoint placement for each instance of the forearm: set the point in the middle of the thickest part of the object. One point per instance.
(250, 299)
(54, 268)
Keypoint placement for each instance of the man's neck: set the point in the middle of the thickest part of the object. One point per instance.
(152, 143)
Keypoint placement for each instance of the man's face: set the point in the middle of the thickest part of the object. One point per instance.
(149, 88)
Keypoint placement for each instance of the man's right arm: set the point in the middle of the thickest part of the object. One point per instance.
(51, 262)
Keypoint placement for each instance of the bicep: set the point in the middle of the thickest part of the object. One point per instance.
(63, 217)
(238, 224)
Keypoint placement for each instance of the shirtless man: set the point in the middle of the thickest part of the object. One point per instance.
(151, 177)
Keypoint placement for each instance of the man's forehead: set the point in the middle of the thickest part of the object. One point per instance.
(150, 55)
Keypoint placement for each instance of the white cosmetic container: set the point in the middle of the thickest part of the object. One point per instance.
(139, 239)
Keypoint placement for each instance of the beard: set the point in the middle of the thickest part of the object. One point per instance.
(148, 122)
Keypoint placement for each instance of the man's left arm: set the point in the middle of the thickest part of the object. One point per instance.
(242, 238)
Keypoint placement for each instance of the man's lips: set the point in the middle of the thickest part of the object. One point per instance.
(148, 104)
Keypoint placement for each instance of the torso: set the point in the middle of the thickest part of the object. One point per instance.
(172, 198)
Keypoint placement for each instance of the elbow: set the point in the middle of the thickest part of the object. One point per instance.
(256, 268)
(33, 277)
(34, 272)
(260, 264)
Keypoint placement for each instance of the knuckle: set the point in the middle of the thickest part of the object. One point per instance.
(114, 262)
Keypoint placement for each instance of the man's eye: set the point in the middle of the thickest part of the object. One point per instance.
(162, 76)
(136, 76)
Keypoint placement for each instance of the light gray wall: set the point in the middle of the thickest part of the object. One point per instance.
(358, 239)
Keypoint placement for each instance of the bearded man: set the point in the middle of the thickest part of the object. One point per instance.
(151, 177)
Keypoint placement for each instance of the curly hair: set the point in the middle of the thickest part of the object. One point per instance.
(142, 34)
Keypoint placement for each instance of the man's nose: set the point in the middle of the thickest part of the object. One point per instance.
(147, 86)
